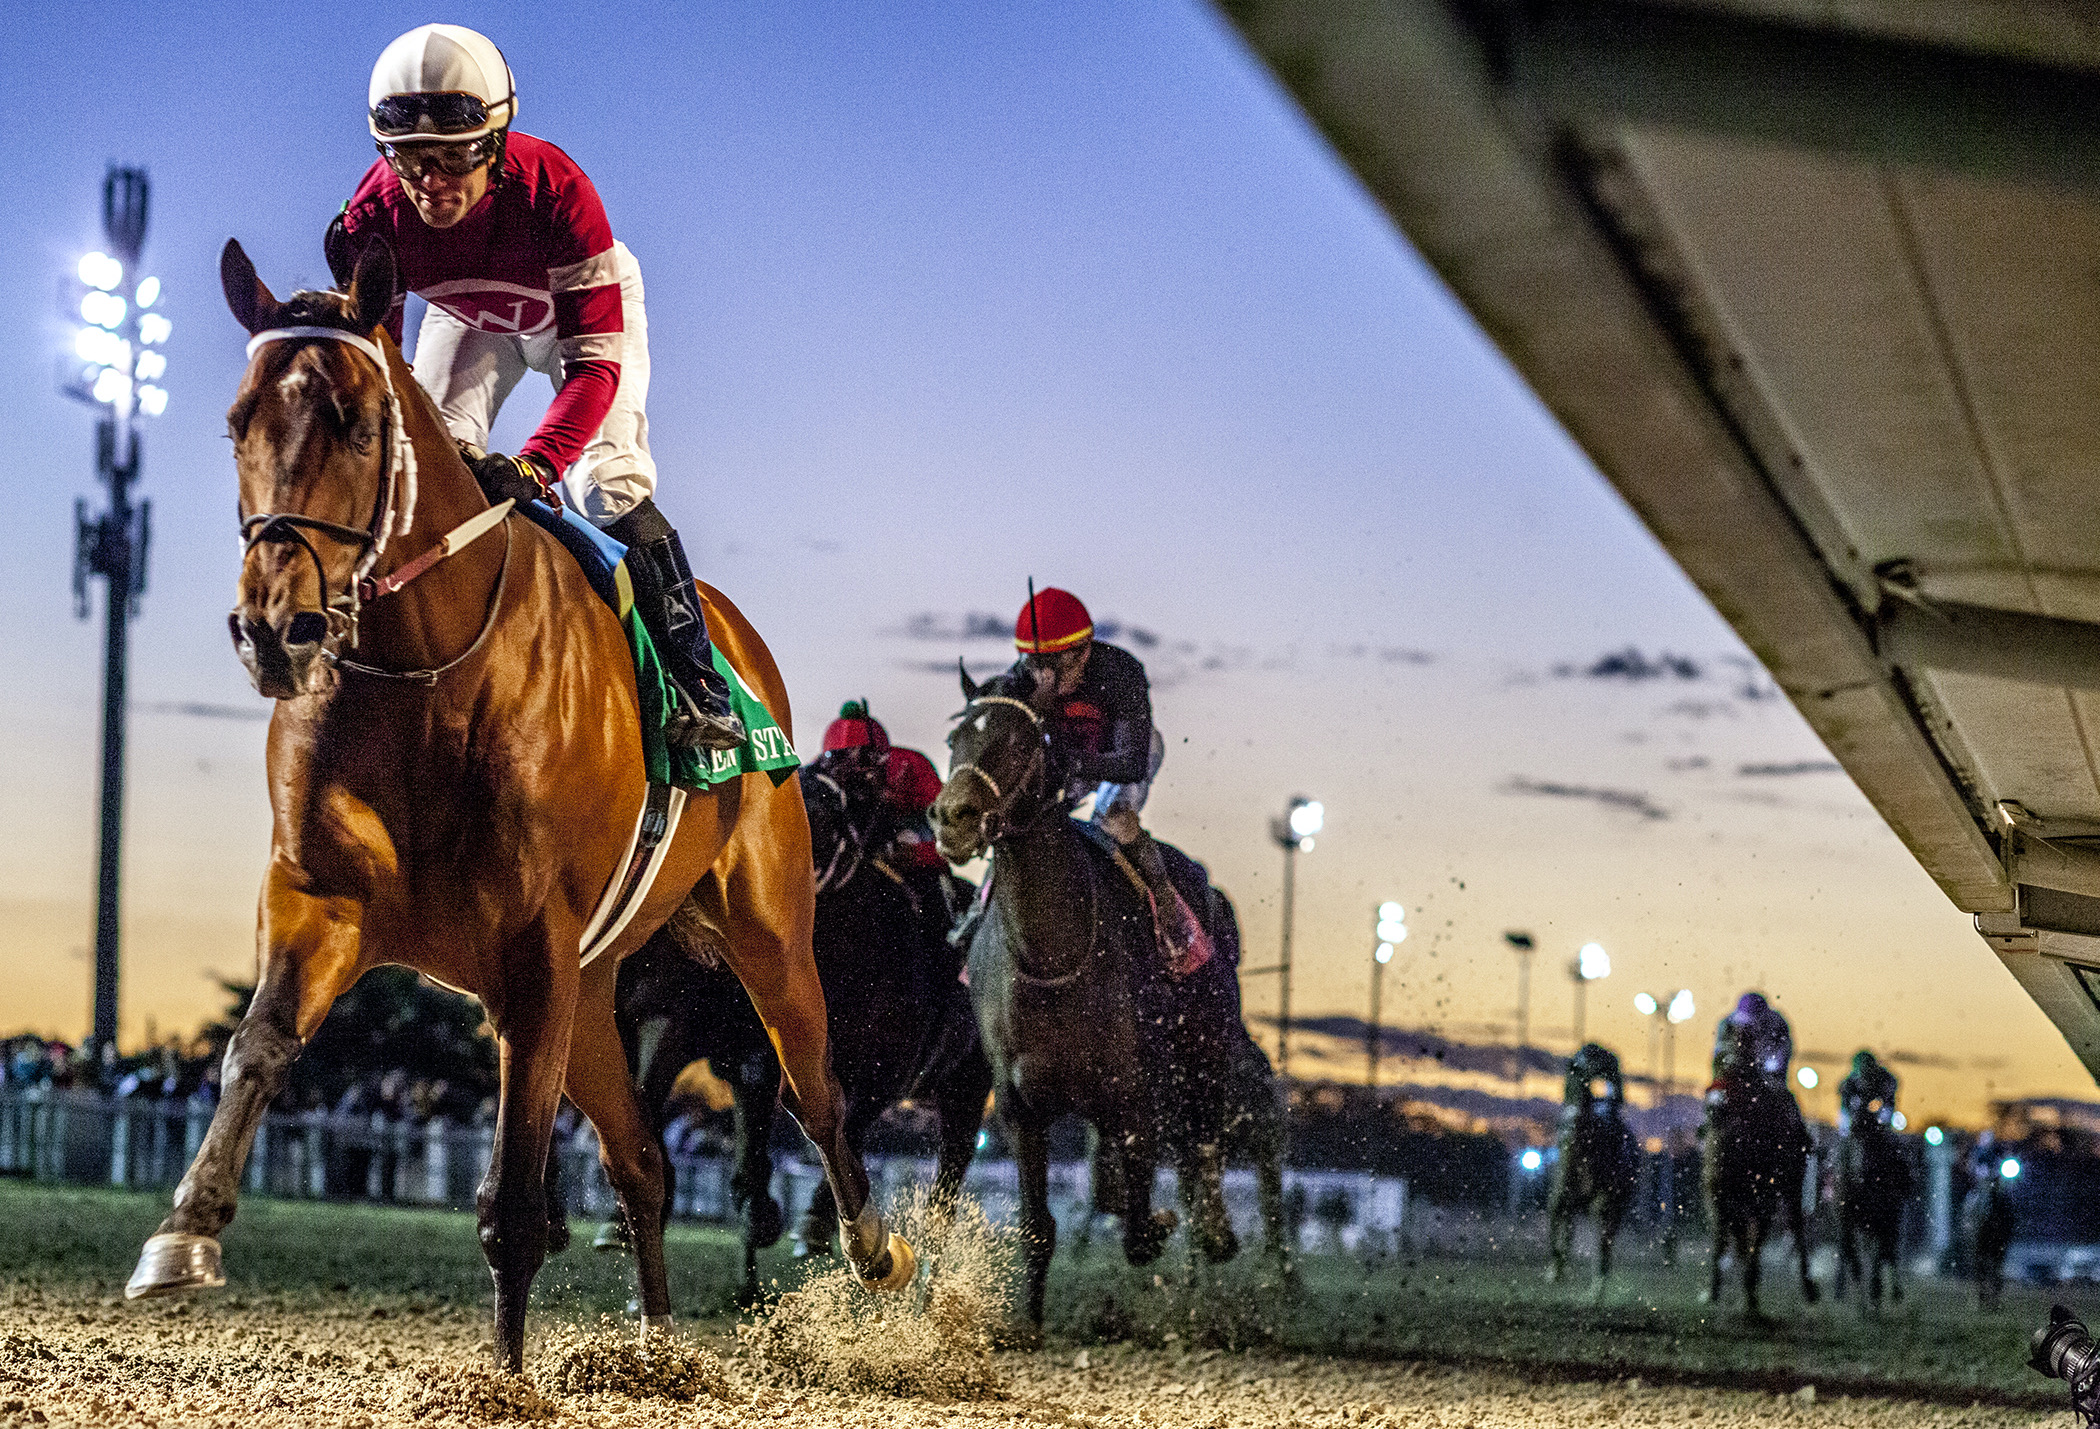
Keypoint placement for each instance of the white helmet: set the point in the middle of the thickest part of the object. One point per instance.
(441, 82)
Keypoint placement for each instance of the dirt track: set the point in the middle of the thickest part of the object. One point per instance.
(266, 1362)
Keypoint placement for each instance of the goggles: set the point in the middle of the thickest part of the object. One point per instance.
(412, 161)
(452, 112)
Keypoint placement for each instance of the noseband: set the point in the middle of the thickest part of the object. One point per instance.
(1002, 803)
(393, 510)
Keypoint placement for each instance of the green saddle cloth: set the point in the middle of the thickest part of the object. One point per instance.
(766, 748)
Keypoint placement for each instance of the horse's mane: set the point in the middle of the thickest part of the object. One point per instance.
(311, 307)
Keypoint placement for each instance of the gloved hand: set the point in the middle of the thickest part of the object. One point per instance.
(521, 478)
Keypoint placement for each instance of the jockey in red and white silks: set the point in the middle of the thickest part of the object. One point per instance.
(505, 237)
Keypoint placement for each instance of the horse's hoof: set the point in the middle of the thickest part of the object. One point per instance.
(765, 1225)
(656, 1327)
(903, 1265)
(172, 1262)
(612, 1237)
(1220, 1245)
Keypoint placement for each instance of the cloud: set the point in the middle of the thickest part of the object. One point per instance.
(1798, 766)
(1633, 667)
(1632, 801)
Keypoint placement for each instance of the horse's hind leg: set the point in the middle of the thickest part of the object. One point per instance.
(627, 1143)
(757, 1090)
(766, 902)
(309, 957)
(1560, 1221)
(959, 1099)
(1797, 1223)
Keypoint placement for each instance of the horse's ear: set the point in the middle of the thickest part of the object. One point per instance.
(253, 305)
(372, 285)
(969, 687)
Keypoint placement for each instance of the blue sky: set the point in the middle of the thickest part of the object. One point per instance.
(939, 299)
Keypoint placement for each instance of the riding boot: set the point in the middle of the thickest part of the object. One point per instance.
(1180, 935)
(670, 610)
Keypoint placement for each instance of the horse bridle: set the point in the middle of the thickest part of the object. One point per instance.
(830, 877)
(392, 511)
(1002, 802)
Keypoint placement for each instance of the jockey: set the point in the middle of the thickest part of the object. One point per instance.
(1098, 707)
(1867, 1083)
(858, 753)
(1767, 1038)
(506, 239)
(1592, 1064)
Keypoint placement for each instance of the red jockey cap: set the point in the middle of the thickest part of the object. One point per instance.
(855, 728)
(1053, 621)
(909, 781)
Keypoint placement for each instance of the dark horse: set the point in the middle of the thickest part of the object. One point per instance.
(455, 770)
(1755, 1164)
(1987, 1226)
(1599, 1171)
(901, 1025)
(1251, 1130)
(1064, 968)
(1872, 1180)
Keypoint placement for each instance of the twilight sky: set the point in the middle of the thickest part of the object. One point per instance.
(938, 302)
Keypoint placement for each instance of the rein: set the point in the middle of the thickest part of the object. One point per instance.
(996, 828)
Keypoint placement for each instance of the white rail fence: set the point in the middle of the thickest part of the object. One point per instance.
(89, 1139)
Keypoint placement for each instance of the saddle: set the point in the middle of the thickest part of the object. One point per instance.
(766, 748)
(1191, 885)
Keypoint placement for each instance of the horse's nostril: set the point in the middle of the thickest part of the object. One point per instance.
(308, 627)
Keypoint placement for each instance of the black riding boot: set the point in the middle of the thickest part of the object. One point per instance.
(670, 610)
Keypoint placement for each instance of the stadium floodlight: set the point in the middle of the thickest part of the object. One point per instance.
(1644, 1004)
(153, 400)
(148, 292)
(1681, 1009)
(1531, 1160)
(1592, 962)
(99, 270)
(1392, 924)
(1899, 1120)
(154, 329)
(1307, 817)
(2009, 1168)
(1934, 1136)
(103, 309)
(1807, 1077)
(150, 366)
(111, 387)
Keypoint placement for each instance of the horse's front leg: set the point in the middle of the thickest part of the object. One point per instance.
(309, 955)
(628, 1144)
(533, 1012)
(1031, 1136)
(1797, 1222)
(959, 1099)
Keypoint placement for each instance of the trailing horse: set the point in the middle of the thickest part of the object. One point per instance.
(1987, 1225)
(456, 776)
(1251, 1130)
(1872, 1181)
(1064, 968)
(1598, 1171)
(901, 1027)
(1755, 1165)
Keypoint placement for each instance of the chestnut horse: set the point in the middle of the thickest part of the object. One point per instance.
(455, 769)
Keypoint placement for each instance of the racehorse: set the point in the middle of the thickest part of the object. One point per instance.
(1987, 1226)
(1058, 970)
(901, 1026)
(1252, 1129)
(1756, 1162)
(453, 761)
(1872, 1180)
(1598, 1171)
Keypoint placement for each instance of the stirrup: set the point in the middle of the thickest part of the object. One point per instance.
(693, 727)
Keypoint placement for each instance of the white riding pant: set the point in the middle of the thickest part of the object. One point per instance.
(469, 373)
(1117, 806)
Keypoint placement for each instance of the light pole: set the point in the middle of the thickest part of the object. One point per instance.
(1293, 830)
(1680, 1009)
(1390, 928)
(118, 363)
(1523, 945)
(1646, 1005)
(1589, 965)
